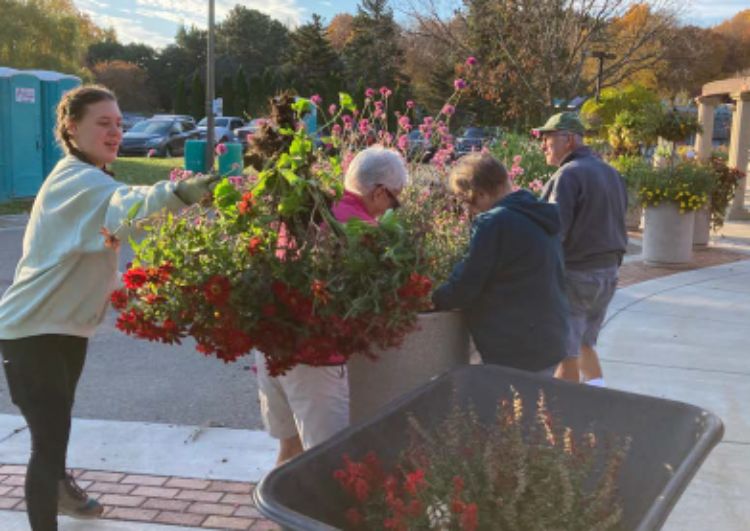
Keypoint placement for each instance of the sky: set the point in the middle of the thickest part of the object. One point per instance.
(155, 22)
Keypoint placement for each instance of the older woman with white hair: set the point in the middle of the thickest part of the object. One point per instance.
(373, 182)
(308, 405)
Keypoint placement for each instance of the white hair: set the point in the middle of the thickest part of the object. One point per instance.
(375, 166)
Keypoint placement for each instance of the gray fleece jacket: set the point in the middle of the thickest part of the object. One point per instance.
(592, 199)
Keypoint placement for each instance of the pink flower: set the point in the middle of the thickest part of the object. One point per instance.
(347, 121)
(448, 109)
(221, 149)
(409, 104)
(536, 185)
(427, 121)
(459, 84)
(151, 153)
(386, 138)
(517, 159)
(336, 130)
(404, 123)
(403, 142)
(369, 93)
(385, 92)
(378, 113)
(249, 137)
(364, 126)
(471, 61)
(236, 180)
(536, 133)
(379, 105)
(332, 109)
(316, 99)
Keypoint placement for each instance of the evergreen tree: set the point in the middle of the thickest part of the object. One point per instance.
(373, 54)
(241, 92)
(313, 64)
(227, 92)
(197, 97)
(180, 100)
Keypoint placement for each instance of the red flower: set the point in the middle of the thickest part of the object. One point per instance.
(246, 204)
(354, 517)
(119, 299)
(135, 278)
(470, 517)
(416, 287)
(268, 310)
(253, 246)
(319, 291)
(414, 481)
(217, 290)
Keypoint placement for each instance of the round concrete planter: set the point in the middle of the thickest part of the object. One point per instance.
(702, 227)
(633, 216)
(440, 343)
(668, 235)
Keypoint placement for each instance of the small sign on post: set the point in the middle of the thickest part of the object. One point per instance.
(219, 107)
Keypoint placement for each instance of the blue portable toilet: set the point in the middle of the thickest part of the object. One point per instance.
(54, 85)
(20, 134)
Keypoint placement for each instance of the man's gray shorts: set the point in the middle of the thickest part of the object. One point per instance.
(589, 294)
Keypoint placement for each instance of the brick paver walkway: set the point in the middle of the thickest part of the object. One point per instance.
(229, 505)
(156, 499)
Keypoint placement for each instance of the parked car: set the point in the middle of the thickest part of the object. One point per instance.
(165, 136)
(419, 148)
(183, 117)
(472, 139)
(224, 127)
(129, 119)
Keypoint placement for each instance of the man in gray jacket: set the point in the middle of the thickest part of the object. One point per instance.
(592, 199)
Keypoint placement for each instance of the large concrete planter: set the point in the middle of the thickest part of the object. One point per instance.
(439, 344)
(702, 227)
(668, 235)
(633, 216)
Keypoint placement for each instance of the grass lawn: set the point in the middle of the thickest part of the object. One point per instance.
(142, 170)
(15, 206)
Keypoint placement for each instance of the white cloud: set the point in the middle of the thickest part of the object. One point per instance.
(90, 4)
(177, 18)
(708, 12)
(129, 30)
(196, 11)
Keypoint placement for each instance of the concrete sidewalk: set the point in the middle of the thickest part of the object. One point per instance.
(686, 337)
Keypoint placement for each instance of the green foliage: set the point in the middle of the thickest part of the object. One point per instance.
(675, 126)
(241, 92)
(143, 170)
(227, 93)
(634, 98)
(314, 65)
(45, 34)
(524, 160)
(197, 97)
(373, 54)
(180, 100)
(726, 180)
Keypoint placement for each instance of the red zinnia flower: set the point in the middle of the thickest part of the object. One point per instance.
(119, 299)
(414, 481)
(135, 278)
(246, 203)
(253, 246)
(470, 518)
(217, 290)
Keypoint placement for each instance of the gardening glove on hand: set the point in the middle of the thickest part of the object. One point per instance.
(193, 189)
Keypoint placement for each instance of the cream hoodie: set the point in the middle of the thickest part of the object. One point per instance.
(66, 273)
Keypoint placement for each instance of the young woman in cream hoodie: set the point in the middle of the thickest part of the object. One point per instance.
(61, 288)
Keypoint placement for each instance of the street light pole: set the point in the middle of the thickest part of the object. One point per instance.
(601, 55)
(210, 133)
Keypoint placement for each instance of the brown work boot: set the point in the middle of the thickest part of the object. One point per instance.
(73, 501)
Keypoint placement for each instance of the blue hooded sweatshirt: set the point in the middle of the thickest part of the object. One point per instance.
(510, 285)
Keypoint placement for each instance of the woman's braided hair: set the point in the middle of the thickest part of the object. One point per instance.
(72, 107)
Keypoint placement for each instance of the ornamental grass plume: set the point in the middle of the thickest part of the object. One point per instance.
(520, 470)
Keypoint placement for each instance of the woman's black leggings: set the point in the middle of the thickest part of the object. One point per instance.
(42, 373)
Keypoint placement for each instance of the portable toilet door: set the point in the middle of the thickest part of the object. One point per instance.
(53, 86)
(5, 129)
(26, 164)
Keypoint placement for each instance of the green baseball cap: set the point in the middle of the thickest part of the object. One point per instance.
(563, 121)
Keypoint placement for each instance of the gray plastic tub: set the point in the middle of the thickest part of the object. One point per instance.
(670, 441)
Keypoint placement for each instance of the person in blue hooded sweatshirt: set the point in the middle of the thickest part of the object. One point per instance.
(510, 286)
